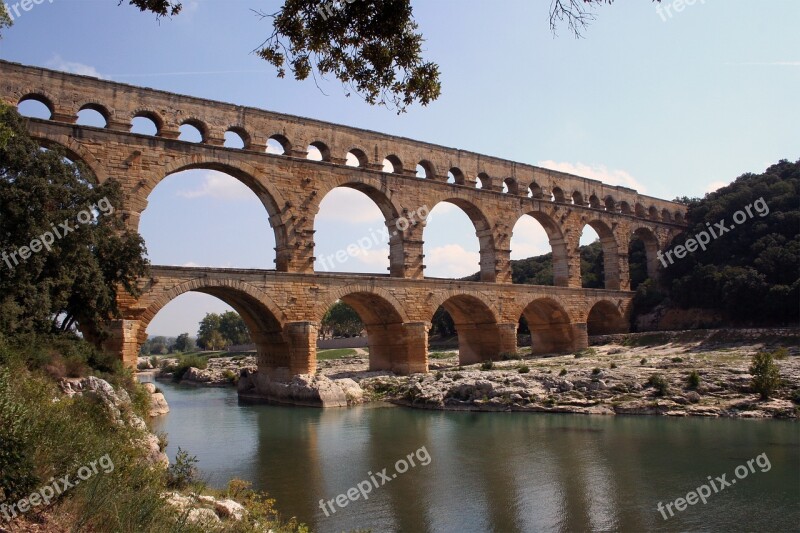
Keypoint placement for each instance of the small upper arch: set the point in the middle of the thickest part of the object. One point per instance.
(278, 144)
(356, 157)
(324, 152)
(425, 169)
(510, 186)
(42, 98)
(94, 107)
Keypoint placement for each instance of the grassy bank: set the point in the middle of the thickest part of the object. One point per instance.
(45, 436)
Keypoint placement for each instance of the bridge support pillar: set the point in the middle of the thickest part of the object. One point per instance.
(508, 337)
(558, 337)
(120, 337)
(478, 343)
(284, 355)
(400, 348)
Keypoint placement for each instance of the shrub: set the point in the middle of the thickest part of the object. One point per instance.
(677, 359)
(17, 477)
(658, 382)
(563, 372)
(766, 375)
(693, 381)
(439, 375)
(524, 369)
(230, 375)
(487, 365)
(185, 362)
(613, 365)
(643, 361)
(509, 356)
(780, 354)
(596, 371)
(183, 472)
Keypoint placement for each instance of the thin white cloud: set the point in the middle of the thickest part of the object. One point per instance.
(597, 172)
(349, 205)
(58, 63)
(767, 64)
(219, 186)
(451, 261)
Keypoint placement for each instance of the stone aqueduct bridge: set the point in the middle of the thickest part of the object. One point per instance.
(283, 307)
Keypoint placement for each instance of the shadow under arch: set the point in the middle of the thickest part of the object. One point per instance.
(74, 151)
(483, 230)
(550, 326)
(267, 194)
(391, 345)
(651, 247)
(476, 325)
(605, 319)
(558, 246)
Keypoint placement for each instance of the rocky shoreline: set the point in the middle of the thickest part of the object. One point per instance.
(635, 374)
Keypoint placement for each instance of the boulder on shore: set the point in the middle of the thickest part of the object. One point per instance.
(303, 389)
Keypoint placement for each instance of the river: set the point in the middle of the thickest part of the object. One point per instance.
(485, 472)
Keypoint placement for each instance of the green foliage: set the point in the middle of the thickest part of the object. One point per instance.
(751, 273)
(648, 295)
(341, 320)
(766, 375)
(658, 382)
(17, 477)
(5, 22)
(596, 371)
(339, 353)
(592, 273)
(524, 369)
(693, 381)
(184, 343)
(487, 365)
(370, 46)
(442, 324)
(161, 8)
(563, 372)
(183, 472)
(185, 362)
(613, 365)
(643, 361)
(220, 330)
(78, 279)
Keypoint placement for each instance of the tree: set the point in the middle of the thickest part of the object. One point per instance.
(60, 266)
(208, 326)
(215, 341)
(766, 375)
(233, 329)
(184, 343)
(341, 320)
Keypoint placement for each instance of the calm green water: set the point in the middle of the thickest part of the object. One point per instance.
(492, 471)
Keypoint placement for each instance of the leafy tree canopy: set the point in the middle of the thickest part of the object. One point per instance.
(76, 278)
(341, 320)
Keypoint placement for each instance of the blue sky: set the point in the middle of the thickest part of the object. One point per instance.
(672, 104)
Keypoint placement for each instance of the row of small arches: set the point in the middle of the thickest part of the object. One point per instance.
(147, 122)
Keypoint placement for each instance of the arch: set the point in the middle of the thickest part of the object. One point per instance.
(666, 216)
(395, 166)
(594, 202)
(243, 137)
(678, 217)
(610, 204)
(535, 191)
(483, 230)
(357, 157)
(97, 108)
(278, 144)
(379, 306)
(511, 186)
(484, 181)
(605, 319)
(640, 211)
(558, 245)
(476, 325)
(652, 213)
(651, 247)
(324, 151)
(577, 198)
(427, 169)
(558, 195)
(197, 124)
(42, 99)
(625, 208)
(608, 242)
(456, 176)
(550, 326)
(150, 115)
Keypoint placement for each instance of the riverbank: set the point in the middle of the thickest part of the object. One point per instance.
(691, 373)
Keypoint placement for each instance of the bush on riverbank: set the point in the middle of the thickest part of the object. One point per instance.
(44, 435)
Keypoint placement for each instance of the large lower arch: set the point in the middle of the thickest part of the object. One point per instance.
(550, 326)
(479, 334)
(557, 243)
(279, 355)
(74, 151)
(395, 344)
(483, 230)
(605, 319)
